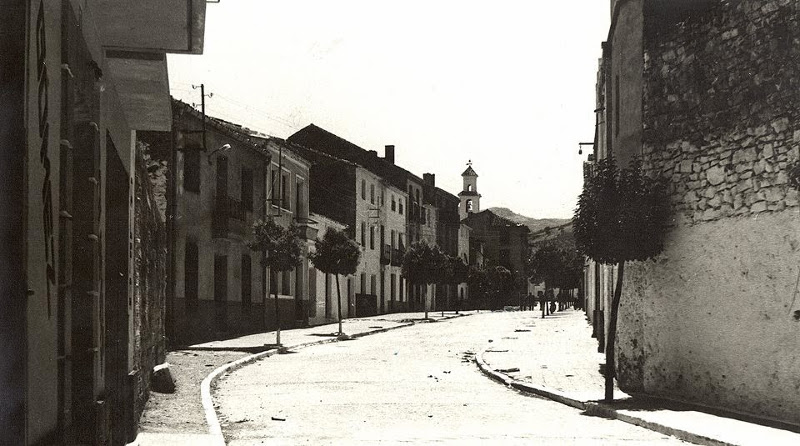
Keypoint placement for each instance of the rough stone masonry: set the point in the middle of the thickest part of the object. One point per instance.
(711, 319)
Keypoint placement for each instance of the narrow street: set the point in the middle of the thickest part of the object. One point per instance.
(412, 385)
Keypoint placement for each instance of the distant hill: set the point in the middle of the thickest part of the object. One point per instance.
(534, 224)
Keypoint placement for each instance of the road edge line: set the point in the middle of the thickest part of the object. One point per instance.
(594, 408)
(214, 427)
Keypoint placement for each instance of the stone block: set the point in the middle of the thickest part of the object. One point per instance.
(715, 175)
(162, 381)
(759, 206)
(768, 151)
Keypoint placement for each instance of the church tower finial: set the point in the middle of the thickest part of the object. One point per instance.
(470, 198)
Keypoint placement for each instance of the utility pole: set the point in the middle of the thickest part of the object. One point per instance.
(203, 95)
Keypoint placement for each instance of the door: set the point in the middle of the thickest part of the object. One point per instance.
(221, 293)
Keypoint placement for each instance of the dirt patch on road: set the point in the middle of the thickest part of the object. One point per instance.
(182, 411)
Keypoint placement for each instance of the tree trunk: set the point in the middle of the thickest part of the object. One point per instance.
(339, 300)
(611, 368)
(277, 314)
(543, 302)
(425, 300)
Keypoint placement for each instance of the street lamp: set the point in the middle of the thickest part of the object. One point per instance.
(222, 149)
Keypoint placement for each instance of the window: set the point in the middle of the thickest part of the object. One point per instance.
(247, 280)
(372, 193)
(400, 296)
(372, 281)
(273, 185)
(469, 205)
(363, 189)
(247, 188)
(394, 208)
(380, 198)
(393, 236)
(371, 237)
(299, 208)
(469, 188)
(400, 205)
(191, 170)
(286, 286)
(363, 283)
(363, 234)
(285, 192)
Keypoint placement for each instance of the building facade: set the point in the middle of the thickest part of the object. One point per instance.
(504, 243)
(703, 96)
(227, 179)
(418, 210)
(77, 85)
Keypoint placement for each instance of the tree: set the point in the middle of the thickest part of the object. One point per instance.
(478, 283)
(621, 217)
(557, 267)
(336, 254)
(545, 266)
(457, 273)
(501, 282)
(282, 252)
(424, 265)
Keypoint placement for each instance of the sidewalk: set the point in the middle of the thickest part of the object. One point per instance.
(186, 417)
(557, 358)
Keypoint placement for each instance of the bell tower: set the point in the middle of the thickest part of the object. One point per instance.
(470, 198)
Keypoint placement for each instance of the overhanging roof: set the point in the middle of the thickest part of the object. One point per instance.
(143, 88)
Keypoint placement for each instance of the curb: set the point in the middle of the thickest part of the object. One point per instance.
(214, 427)
(592, 407)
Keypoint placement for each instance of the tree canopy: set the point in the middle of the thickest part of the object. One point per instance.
(621, 214)
(557, 267)
(336, 253)
(425, 264)
(282, 245)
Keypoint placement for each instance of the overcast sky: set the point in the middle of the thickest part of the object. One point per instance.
(506, 84)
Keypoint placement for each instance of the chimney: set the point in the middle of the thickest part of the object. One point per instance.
(388, 153)
(429, 178)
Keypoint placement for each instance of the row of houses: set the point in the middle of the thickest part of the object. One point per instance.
(705, 93)
(227, 177)
(84, 265)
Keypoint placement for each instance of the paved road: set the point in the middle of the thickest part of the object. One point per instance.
(414, 385)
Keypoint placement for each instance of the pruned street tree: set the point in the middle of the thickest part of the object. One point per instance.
(457, 274)
(556, 267)
(501, 282)
(621, 217)
(478, 283)
(424, 264)
(336, 253)
(282, 252)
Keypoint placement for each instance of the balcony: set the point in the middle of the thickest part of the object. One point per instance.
(228, 217)
(397, 257)
(386, 254)
(307, 228)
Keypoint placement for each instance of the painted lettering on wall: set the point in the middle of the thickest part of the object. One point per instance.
(44, 152)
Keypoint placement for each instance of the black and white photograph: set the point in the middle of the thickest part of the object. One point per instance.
(441, 222)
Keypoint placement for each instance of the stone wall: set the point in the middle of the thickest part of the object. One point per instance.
(722, 107)
(150, 277)
(713, 319)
